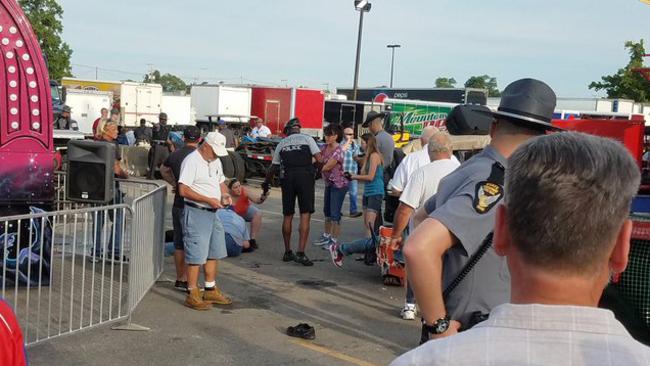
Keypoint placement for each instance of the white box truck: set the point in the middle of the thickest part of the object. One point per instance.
(140, 100)
(86, 106)
(230, 102)
(178, 109)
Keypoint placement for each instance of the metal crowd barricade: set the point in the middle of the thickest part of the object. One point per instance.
(79, 265)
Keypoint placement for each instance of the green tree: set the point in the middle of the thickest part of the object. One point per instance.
(444, 82)
(169, 82)
(484, 82)
(627, 83)
(45, 17)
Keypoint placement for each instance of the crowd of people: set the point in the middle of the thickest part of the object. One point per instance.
(499, 253)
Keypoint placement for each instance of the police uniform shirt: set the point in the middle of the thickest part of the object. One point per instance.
(295, 152)
(465, 204)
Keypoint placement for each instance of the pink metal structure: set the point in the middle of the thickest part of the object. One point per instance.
(26, 120)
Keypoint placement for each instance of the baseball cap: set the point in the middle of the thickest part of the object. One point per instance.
(192, 133)
(217, 142)
(162, 115)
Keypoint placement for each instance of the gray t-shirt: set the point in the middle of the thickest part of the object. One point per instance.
(386, 146)
(465, 204)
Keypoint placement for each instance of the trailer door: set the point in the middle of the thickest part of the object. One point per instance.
(272, 114)
(348, 113)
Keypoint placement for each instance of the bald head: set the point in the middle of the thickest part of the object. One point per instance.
(440, 146)
(426, 134)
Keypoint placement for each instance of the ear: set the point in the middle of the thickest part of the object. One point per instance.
(493, 128)
(619, 257)
(502, 240)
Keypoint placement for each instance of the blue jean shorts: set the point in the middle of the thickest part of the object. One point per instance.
(203, 236)
(250, 213)
(372, 203)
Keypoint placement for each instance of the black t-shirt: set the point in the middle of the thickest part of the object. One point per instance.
(174, 161)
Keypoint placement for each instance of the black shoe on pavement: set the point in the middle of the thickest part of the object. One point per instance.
(253, 244)
(288, 256)
(356, 214)
(302, 330)
(302, 259)
(181, 285)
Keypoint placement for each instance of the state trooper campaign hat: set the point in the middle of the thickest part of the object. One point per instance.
(529, 101)
(372, 115)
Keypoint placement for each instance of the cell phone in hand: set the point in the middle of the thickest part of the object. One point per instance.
(347, 175)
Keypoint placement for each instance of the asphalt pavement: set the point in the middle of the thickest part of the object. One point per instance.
(355, 316)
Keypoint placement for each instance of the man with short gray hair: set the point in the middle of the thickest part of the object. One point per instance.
(564, 230)
(422, 184)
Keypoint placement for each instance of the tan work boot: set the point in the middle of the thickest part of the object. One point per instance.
(216, 297)
(194, 300)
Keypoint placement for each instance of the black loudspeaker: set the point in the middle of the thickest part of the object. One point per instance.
(90, 176)
(469, 119)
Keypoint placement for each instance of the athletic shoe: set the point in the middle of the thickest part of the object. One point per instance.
(356, 214)
(117, 260)
(288, 257)
(322, 240)
(302, 259)
(337, 257)
(181, 285)
(409, 312)
(253, 244)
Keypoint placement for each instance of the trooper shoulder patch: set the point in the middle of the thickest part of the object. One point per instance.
(489, 192)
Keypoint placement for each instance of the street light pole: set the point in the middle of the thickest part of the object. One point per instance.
(362, 6)
(392, 60)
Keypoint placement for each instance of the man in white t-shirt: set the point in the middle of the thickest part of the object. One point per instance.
(260, 129)
(422, 184)
(413, 162)
(201, 184)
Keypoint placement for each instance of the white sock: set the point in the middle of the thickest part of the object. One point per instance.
(210, 284)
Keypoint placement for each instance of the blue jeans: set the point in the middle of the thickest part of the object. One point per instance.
(353, 189)
(113, 245)
(357, 246)
(334, 198)
(232, 247)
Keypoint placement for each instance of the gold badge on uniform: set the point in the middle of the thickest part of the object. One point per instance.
(486, 196)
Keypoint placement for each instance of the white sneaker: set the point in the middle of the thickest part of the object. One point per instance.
(322, 240)
(409, 312)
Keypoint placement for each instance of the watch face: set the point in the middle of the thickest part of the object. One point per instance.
(441, 326)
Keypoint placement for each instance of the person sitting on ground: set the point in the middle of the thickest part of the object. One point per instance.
(560, 259)
(243, 206)
(237, 235)
(336, 186)
(372, 174)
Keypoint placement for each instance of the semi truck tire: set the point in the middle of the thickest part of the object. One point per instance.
(228, 166)
(239, 166)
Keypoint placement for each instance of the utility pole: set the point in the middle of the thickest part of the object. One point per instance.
(392, 60)
(362, 6)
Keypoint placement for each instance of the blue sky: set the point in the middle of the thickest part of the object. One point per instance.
(566, 43)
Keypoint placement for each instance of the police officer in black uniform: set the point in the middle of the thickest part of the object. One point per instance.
(64, 122)
(459, 218)
(293, 159)
(159, 148)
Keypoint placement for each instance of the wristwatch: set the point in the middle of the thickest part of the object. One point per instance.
(439, 326)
